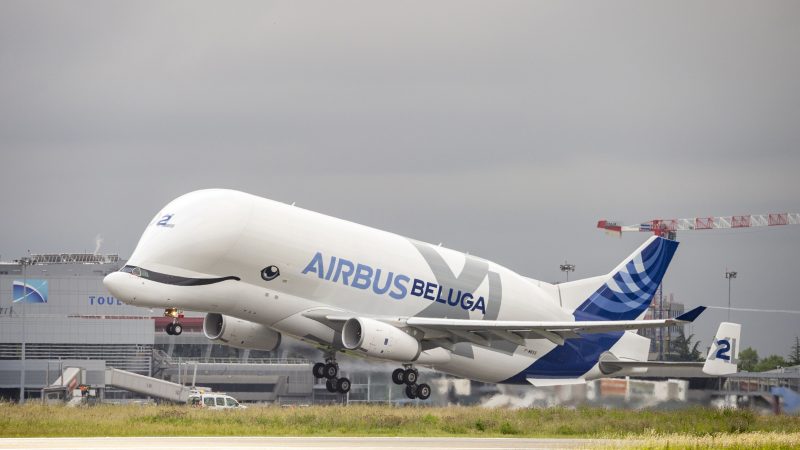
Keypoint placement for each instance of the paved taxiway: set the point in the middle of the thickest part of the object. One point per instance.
(295, 443)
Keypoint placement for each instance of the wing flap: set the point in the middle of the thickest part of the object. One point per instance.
(545, 382)
(547, 329)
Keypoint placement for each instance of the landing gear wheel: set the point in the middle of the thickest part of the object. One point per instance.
(344, 385)
(331, 385)
(169, 328)
(318, 370)
(177, 329)
(399, 376)
(423, 391)
(411, 391)
(410, 376)
(331, 370)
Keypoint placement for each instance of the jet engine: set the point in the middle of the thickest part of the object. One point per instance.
(240, 333)
(380, 340)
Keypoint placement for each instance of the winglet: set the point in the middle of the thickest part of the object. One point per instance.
(691, 315)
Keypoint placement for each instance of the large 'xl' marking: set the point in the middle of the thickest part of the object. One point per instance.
(472, 275)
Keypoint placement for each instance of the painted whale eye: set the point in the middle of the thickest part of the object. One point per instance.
(269, 273)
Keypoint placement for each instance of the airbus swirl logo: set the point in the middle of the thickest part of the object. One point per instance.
(30, 291)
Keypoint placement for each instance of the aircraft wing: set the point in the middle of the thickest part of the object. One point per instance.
(516, 331)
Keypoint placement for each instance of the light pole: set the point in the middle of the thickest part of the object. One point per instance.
(567, 268)
(729, 275)
(22, 353)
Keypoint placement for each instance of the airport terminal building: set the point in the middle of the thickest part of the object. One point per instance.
(55, 312)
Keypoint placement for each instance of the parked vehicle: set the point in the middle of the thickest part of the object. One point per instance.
(213, 400)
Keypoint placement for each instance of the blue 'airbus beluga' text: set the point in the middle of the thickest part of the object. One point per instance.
(396, 286)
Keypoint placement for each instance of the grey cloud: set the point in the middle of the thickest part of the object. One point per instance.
(502, 129)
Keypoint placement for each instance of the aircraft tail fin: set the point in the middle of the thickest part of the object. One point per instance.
(625, 292)
(723, 356)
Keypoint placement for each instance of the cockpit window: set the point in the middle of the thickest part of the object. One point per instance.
(138, 271)
(173, 279)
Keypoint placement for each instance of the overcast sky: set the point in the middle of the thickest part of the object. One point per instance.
(506, 129)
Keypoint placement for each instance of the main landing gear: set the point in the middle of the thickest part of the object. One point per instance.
(330, 370)
(408, 375)
(173, 328)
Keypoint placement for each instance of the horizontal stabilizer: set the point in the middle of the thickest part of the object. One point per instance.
(722, 358)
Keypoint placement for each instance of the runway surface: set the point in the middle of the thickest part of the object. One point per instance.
(295, 443)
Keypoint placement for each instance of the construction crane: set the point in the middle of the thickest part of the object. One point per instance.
(669, 227)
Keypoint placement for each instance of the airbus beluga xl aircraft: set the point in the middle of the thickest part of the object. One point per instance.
(261, 269)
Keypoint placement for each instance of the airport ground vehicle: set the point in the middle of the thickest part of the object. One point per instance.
(213, 400)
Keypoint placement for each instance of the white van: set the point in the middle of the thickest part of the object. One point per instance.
(214, 400)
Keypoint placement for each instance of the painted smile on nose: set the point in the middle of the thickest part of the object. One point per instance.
(174, 279)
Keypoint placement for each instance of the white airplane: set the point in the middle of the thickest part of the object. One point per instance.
(261, 268)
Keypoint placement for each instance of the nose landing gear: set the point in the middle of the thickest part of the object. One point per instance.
(330, 370)
(408, 375)
(174, 328)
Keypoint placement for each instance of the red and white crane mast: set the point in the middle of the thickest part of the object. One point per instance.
(668, 227)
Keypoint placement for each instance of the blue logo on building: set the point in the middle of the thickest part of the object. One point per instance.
(30, 291)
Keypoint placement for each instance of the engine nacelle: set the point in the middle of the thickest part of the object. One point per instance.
(240, 333)
(380, 340)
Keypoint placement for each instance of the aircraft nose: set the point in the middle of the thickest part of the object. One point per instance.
(117, 283)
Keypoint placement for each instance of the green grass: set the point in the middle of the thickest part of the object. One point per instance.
(693, 427)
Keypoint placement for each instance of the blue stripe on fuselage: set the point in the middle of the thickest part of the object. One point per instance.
(571, 360)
